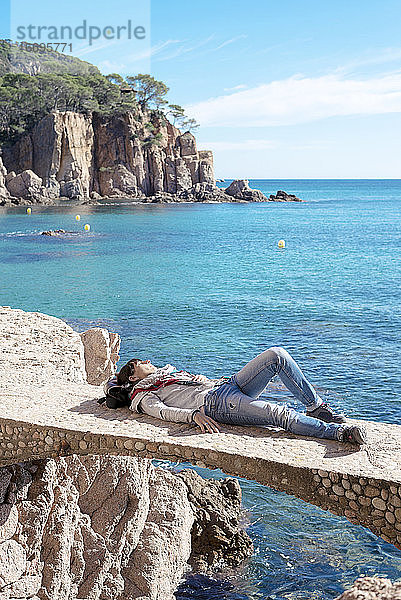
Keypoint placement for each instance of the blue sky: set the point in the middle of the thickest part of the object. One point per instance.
(296, 88)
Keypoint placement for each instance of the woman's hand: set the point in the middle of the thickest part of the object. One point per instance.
(207, 424)
(200, 378)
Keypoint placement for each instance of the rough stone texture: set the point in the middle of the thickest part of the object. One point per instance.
(80, 157)
(103, 527)
(94, 527)
(101, 354)
(26, 185)
(60, 151)
(240, 190)
(4, 193)
(215, 534)
(284, 197)
(42, 420)
(77, 155)
(373, 588)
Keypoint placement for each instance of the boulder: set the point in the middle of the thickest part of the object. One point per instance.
(206, 170)
(101, 354)
(117, 181)
(240, 190)
(10, 176)
(71, 189)
(282, 196)
(26, 185)
(183, 175)
(216, 537)
(187, 144)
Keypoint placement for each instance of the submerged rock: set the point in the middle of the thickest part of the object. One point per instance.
(54, 232)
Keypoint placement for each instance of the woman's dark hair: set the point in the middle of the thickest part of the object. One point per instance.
(123, 376)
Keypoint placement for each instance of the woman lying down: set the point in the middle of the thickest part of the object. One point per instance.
(179, 396)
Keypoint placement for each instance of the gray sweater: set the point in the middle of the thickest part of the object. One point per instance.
(175, 402)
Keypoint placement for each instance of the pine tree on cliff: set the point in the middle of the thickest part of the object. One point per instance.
(149, 92)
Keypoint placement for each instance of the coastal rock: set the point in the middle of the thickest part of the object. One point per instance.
(71, 189)
(187, 144)
(53, 232)
(282, 196)
(134, 155)
(240, 190)
(123, 524)
(373, 588)
(216, 536)
(129, 529)
(101, 349)
(4, 193)
(26, 185)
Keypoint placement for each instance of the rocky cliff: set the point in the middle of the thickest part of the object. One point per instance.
(80, 156)
(139, 155)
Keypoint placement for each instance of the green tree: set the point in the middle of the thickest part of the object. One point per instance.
(115, 78)
(180, 118)
(149, 92)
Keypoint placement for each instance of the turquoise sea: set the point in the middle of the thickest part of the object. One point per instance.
(205, 287)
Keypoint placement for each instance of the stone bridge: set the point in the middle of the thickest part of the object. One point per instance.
(48, 409)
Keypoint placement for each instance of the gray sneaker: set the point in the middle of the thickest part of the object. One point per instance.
(326, 414)
(353, 434)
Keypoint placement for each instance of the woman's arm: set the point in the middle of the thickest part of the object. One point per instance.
(153, 406)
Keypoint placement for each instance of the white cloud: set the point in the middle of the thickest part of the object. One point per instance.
(300, 99)
(241, 86)
(231, 41)
(376, 57)
(106, 66)
(182, 50)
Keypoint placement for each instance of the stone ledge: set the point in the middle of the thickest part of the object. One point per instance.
(45, 416)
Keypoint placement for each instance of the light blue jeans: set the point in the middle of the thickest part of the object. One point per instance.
(236, 402)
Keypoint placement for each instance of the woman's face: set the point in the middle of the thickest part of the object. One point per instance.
(142, 369)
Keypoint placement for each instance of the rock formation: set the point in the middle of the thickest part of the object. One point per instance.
(131, 155)
(135, 155)
(101, 349)
(284, 197)
(240, 190)
(373, 588)
(216, 538)
(4, 193)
